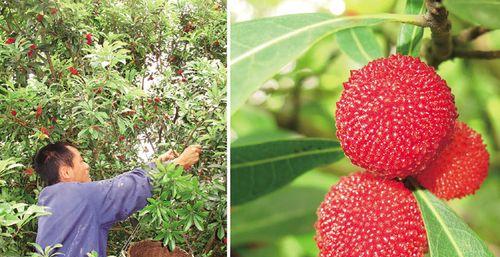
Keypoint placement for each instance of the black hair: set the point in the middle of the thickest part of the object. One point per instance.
(50, 158)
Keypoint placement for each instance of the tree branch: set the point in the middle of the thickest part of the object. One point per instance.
(469, 34)
(441, 46)
(475, 54)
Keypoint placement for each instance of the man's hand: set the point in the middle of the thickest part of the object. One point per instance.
(169, 155)
(189, 156)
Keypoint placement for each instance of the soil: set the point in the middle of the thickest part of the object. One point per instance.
(148, 248)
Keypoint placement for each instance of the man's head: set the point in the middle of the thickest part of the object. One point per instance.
(61, 162)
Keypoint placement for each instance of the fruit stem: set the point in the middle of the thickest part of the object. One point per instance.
(412, 183)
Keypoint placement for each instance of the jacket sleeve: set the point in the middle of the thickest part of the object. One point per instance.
(123, 195)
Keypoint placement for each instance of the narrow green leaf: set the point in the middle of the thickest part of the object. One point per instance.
(411, 35)
(260, 48)
(288, 211)
(188, 224)
(480, 12)
(447, 234)
(258, 169)
(198, 225)
(359, 44)
(220, 232)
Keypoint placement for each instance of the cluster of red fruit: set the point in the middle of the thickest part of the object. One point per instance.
(31, 50)
(157, 100)
(38, 113)
(180, 72)
(397, 119)
(72, 69)
(33, 47)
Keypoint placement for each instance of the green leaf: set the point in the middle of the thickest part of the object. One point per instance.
(198, 224)
(359, 44)
(188, 224)
(290, 210)
(220, 232)
(411, 35)
(258, 169)
(260, 48)
(480, 12)
(447, 234)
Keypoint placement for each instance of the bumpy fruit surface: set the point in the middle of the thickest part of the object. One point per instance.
(460, 168)
(364, 215)
(394, 115)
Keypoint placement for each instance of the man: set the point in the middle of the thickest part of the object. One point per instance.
(83, 211)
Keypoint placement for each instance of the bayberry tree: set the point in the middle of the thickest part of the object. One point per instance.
(352, 131)
(124, 81)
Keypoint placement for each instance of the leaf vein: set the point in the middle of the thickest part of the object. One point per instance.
(283, 157)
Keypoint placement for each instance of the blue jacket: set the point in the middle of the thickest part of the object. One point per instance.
(83, 213)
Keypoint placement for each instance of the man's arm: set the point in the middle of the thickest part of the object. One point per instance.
(128, 192)
(124, 195)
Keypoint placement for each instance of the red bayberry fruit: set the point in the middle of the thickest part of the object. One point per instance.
(460, 168)
(180, 72)
(28, 171)
(53, 11)
(364, 215)
(45, 131)
(39, 17)
(10, 40)
(73, 71)
(97, 90)
(89, 38)
(188, 28)
(13, 113)
(157, 99)
(32, 50)
(121, 138)
(38, 111)
(53, 119)
(394, 115)
(150, 100)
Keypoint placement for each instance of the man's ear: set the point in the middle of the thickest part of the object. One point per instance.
(64, 173)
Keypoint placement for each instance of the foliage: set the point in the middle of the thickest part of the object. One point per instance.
(261, 168)
(297, 79)
(182, 205)
(14, 215)
(124, 80)
(48, 251)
